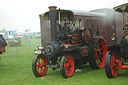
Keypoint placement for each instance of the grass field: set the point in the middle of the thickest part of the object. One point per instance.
(18, 70)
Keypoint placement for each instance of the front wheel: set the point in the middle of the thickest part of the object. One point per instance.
(67, 66)
(38, 65)
(111, 67)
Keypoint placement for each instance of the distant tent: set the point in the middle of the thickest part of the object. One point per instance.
(11, 32)
(2, 30)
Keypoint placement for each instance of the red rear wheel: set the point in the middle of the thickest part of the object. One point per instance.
(97, 52)
(38, 65)
(67, 66)
(111, 67)
(100, 53)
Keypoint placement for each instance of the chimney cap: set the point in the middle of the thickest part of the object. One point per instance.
(52, 7)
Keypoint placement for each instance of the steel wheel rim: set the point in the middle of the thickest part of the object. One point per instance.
(69, 66)
(113, 65)
(40, 65)
(100, 53)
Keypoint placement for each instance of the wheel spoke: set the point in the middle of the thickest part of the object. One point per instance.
(70, 70)
(97, 44)
(112, 63)
(66, 70)
(70, 62)
(37, 65)
(101, 49)
(96, 55)
(42, 69)
(67, 62)
(43, 63)
(38, 61)
(101, 57)
(98, 61)
(37, 69)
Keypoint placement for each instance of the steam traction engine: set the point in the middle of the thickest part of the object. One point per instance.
(2, 44)
(73, 42)
(119, 60)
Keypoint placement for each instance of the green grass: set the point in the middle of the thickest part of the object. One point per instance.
(18, 70)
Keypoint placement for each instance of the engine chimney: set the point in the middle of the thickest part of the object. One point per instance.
(52, 14)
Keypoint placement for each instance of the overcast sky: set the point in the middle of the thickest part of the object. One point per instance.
(24, 14)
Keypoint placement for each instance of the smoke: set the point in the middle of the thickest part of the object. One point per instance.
(86, 5)
(24, 14)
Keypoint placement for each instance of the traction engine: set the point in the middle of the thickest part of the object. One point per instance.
(114, 60)
(70, 46)
(2, 45)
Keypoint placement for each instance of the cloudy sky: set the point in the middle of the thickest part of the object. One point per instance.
(24, 14)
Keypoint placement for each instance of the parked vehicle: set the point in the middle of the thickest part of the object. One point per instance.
(38, 35)
(75, 38)
(19, 35)
(116, 60)
(2, 44)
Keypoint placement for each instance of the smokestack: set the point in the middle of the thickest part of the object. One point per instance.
(52, 14)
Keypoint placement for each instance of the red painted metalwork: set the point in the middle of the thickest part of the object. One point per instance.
(85, 52)
(40, 65)
(100, 52)
(2, 49)
(87, 35)
(76, 38)
(69, 66)
(114, 65)
(120, 65)
(69, 36)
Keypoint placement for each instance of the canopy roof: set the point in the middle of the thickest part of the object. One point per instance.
(70, 14)
(121, 8)
(2, 42)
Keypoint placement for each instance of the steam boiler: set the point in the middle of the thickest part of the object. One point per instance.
(75, 40)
